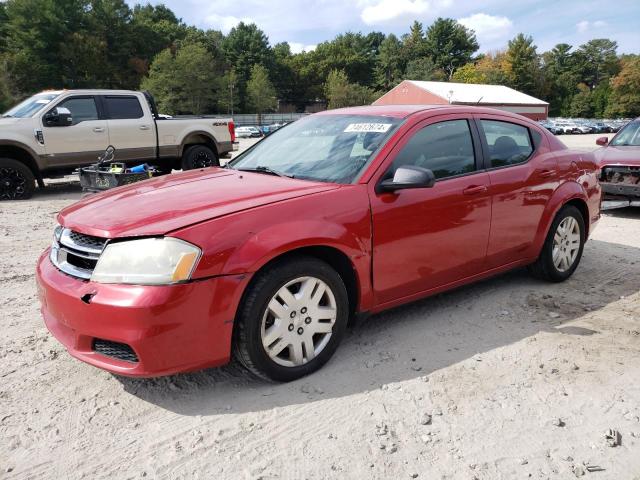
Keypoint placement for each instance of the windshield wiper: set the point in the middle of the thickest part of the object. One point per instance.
(267, 170)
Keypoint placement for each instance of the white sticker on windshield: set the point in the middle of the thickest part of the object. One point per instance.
(367, 127)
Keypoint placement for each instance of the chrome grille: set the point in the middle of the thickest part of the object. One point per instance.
(76, 254)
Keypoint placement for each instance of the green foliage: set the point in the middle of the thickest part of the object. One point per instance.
(450, 45)
(260, 92)
(625, 90)
(185, 82)
(109, 44)
(246, 46)
(341, 93)
(523, 64)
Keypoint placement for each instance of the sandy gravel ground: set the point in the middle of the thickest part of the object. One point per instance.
(508, 378)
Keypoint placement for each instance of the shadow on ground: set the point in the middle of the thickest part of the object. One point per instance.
(417, 339)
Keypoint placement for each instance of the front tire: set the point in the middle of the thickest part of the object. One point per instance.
(291, 319)
(17, 181)
(562, 250)
(199, 156)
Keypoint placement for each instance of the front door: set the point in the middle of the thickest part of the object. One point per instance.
(430, 237)
(81, 142)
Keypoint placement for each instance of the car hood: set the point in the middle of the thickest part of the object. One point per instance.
(612, 155)
(161, 205)
(7, 121)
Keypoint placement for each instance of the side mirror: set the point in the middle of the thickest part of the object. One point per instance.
(602, 141)
(408, 177)
(58, 117)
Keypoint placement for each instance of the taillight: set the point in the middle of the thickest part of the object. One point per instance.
(232, 131)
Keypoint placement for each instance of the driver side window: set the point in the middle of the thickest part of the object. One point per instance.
(82, 109)
(445, 148)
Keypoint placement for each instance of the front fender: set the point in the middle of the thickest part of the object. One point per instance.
(244, 242)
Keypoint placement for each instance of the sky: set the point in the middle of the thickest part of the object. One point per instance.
(304, 24)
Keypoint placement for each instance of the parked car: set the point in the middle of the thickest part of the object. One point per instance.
(552, 128)
(619, 160)
(248, 132)
(52, 133)
(601, 127)
(341, 214)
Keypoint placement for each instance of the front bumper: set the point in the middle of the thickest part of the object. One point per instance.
(621, 190)
(171, 329)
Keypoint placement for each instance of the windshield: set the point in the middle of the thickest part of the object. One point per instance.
(325, 148)
(31, 106)
(628, 136)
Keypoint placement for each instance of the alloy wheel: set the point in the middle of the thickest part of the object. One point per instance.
(202, 160)
(298, 321)
(12, 184)
(566, 244)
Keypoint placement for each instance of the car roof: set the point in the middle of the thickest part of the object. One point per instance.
(404, 111)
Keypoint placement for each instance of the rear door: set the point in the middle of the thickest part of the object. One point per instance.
(131, 130)
(81, 142)
(426, 238)
(523, 173)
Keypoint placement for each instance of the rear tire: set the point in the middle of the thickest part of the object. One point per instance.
(291, 320)
(17, 181)
(562, 249)
(199, 156)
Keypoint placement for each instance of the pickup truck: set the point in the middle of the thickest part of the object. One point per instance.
(53, 132)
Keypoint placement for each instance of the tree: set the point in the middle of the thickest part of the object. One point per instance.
(450, 45)
(389, 66)
(423, 69)
(340, 93)
(184, 83)
(246, 46)
(624, 100)
(261, 94)
(523, 65)
(413, 43)
(597, 61)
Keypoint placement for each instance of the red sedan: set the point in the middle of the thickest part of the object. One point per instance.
(620, 164)
(343, 213)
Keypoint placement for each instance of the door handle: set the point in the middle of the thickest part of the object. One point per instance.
(144, 127)
(98, 129)
(475, 189)
(547, 173)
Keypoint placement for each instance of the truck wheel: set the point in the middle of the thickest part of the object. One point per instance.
(199, 156)
(16, 180)
(563, 247)
(291, 319)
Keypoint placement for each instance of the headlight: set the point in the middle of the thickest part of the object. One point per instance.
(149, 261)
(57, 233)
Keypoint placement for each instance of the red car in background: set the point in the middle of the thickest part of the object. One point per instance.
(342, 213)
(619, 160)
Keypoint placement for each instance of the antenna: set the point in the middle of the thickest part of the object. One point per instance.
(479, 100)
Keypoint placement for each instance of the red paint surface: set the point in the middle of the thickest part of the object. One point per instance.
(402, 246)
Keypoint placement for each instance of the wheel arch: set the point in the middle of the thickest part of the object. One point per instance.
(22, 154)
(199, 137)
(334, 257)
(569, 193)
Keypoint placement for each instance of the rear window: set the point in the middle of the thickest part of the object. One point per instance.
(509, 144)
(120, 108)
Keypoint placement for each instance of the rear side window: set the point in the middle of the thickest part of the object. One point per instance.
(82, 109)
(120, 108)
(445, 148)
(509, 144)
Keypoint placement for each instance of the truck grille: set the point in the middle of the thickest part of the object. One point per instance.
(76, 254)
(120, 351)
